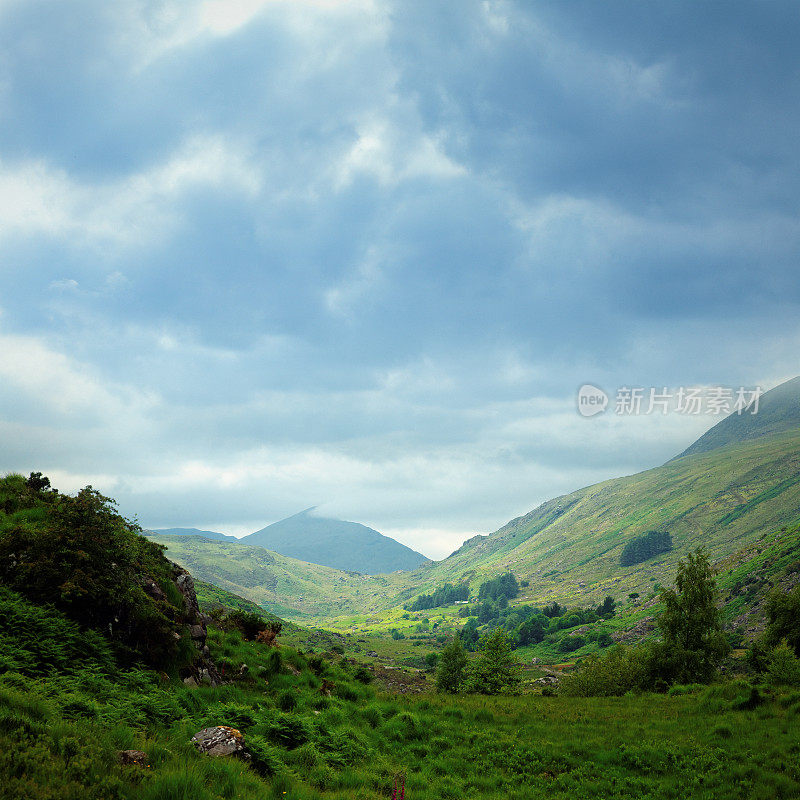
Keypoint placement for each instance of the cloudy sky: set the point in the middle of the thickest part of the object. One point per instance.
(257, 255)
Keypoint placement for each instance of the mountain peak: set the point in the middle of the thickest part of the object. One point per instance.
(335, 543)
(778, 411)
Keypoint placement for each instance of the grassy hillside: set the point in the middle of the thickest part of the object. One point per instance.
(67, 710)
(568, 549)
(336, 719)
(290, 588)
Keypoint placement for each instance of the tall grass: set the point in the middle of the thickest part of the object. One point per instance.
(62, 723)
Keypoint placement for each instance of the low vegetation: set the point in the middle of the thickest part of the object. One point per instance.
(650, 720)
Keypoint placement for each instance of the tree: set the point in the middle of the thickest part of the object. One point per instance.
(451, 668)
(783, 616)
(532, 630)
(606, 609)
(690, 623)
(84, 558)
(495, 671)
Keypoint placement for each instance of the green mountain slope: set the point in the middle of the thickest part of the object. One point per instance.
(569, 548)
(335, 543)
(288, 587)
(778, 411)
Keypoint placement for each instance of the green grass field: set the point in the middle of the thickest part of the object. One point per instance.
(61, 730)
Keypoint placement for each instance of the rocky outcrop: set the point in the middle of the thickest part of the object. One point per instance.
(203, 670)
(636, 633)
(220, 740)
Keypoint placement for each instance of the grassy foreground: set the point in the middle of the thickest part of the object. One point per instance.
(66, 710)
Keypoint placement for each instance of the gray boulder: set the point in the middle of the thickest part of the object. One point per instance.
(220, 740)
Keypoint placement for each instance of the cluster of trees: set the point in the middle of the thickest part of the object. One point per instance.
(504, 586)
(526, 624)
(500, 589)
(443, 596)
(652, 544)
(494, 671)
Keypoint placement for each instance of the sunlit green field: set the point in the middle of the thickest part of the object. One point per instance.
(63, 721)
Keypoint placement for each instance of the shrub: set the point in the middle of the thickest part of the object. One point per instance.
(287, 701)
(362, 674)
(784, 666)
(263, 758)
(613, 674)
(783, 615)
(288, 731)
(569, 644)
(749, 701)
(248, 623)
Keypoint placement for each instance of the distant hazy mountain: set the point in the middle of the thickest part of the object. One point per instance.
(194, 532)
(335, 543)
(778, 411)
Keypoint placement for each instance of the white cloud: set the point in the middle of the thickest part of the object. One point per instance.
(37, 373)
(154, 33)
(38, 199)
(392, 154)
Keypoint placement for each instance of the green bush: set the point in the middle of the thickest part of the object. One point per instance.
(247, 622)
(79, 555)
(362, 674)
(618, 671)
(288, 731)
(784, 666)
(287, 701)
(783, 619)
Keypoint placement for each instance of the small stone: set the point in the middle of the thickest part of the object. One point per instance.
(133, 758)
(197, 632)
